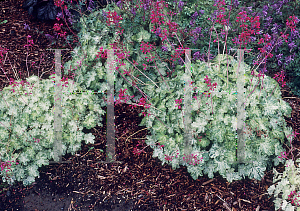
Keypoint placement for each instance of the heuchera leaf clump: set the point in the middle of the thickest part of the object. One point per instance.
(27, 125)
(217, 147)
(286, 191)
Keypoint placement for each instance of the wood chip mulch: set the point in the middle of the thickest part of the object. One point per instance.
(140, 182)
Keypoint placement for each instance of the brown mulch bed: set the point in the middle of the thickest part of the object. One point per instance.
(140, 182)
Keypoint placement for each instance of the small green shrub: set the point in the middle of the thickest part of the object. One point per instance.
(27, 125)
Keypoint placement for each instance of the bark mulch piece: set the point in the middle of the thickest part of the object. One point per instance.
(140, 182)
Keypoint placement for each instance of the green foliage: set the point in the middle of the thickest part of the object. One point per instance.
(289, 181)
(25, 118)
(263, 111)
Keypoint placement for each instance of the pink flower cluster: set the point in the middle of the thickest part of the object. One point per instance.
(64, 80)
(115, 18)
(291, 23)
(268, 38)
(280, 78)
(103, 54)
(178, 102)
(170, 158)
(207, 80)
(283, 155)
(56, 27)
(121, 94)
(294, 196)
(123, 97)
(59, 3)
(245, 35)
(37, 140)
(14, 84)
(187, 159)
(6, 164)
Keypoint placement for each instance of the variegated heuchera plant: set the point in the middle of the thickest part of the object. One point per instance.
(214, 121)
(286, 187)
(27, 125)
